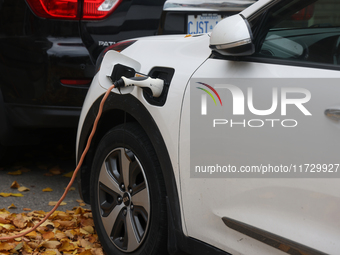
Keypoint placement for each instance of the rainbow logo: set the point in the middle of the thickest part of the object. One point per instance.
(204, 97)
(213, 90)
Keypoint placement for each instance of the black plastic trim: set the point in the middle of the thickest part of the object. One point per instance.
(166, 74)
(266, 60)
(290, 63)
(273, 240)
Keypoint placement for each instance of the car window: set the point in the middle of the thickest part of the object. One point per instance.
(302, 31)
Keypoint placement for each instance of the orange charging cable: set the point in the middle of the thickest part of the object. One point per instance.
(75, 171)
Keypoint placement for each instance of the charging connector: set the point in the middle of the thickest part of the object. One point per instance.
(154, 84)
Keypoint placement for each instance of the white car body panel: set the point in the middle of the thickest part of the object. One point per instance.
(267, 204)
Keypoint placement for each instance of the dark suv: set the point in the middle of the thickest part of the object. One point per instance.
(48, 51)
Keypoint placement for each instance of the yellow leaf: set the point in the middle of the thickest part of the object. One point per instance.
(82, 204)
(17, 195)
(88, 229)
(7, 226)
(27, 209)
(67, 246)
(21, 189)
(53, 203)
(5, 194)
(47, 190)
(88, 252)
(6, 246)
(12, 206)
(49, 252)
(48, 235)
(32, 234)
(69, 174)
(15, 185)
(18, 172)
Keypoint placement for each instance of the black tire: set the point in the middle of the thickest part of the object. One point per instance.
(130, 219)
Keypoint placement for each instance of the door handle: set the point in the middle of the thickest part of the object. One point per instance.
(333, 114)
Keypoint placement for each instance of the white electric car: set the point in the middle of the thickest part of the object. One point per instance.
(227, 144)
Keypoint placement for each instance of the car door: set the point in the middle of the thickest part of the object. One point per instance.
(259, 138)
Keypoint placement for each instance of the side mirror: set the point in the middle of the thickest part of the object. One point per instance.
(232, 36)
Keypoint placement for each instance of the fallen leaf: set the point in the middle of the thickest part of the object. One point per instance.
(17, 195)
(97, 251)
(51, 244)
(71, 233)
(49, 252)
(21, 189)
(4, 221)
(18, 172)
(80, 201)
(15, 185)
(60, 235)
(56, 252)
(12, 206)
(27, 209)
(85, 244)
(19, 221)
(53, 203)
(32, 234)
(66, 223)
(67, 246)
(55, 170)
(6, 246)
(47, 190)
(82, 204)
(69, 174)
(19, 246)
(48, 235)
(7, 226)
(11, 194)
(87, 222)
(88, 252)
(88, 229)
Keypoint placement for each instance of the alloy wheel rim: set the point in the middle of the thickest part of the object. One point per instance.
(124, 200)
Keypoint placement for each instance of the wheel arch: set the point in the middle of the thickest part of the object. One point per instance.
(115, 109)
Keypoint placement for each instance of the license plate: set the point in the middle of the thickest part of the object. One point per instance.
(199, 24)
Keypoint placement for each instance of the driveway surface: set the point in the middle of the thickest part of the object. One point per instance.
(40, 167)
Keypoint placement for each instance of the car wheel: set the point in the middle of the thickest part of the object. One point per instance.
(128, 193)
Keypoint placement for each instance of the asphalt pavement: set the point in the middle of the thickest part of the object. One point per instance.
(40, 167)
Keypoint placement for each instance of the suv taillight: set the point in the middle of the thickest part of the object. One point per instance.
(68, 9)
(99, 9)
(58, 9)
